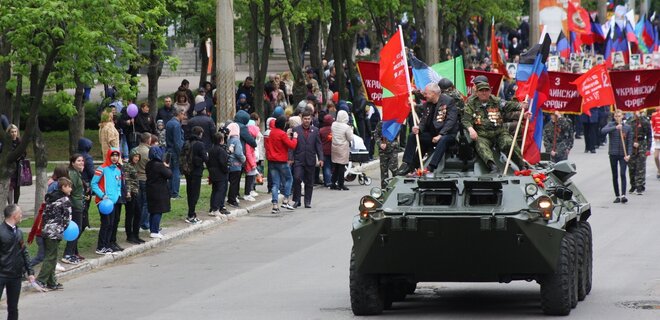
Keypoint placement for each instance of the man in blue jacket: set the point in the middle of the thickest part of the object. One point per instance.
(174, 141)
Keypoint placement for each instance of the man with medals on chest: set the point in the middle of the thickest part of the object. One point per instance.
(483, 119)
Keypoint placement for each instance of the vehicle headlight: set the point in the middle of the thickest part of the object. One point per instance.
(531, 189)
(545, 205)
(367, 205)
(376, 192)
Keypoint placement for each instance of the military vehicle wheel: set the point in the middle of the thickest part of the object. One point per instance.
(580, 245)
(556, 288)
(366, 296)
(574, 277)
(585, 227)
(398, 290)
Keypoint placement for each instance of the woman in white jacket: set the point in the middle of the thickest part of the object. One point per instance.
(342, 136)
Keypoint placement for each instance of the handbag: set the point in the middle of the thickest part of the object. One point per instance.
(26, 173)
(259, 179)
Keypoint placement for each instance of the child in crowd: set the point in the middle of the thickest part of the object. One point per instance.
(107, 184)
(217, 165)
(160, 128)
(236, 160)
(133, 205)
(56, 217)
(251, 163)
(387, 152)
(61, 171)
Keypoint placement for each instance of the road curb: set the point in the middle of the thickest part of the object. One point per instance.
(211, 222)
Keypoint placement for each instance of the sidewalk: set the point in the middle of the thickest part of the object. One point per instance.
(173, 234)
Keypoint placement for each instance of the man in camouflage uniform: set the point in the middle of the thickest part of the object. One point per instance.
(483, 119)
(558, 137)
(448, 88)
(388, 154)
(642, 137)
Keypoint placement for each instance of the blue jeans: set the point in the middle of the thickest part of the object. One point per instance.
(327, 170)
(280, 171)
(144, 216)
(154, 225)
(175, 181)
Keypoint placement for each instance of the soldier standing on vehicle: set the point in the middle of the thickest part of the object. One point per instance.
(641, 137)
(388, 154)
(558, 137)
(483, 119)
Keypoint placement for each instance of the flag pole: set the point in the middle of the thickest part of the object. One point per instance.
(412, 104)
(623, 140)
(515, 137)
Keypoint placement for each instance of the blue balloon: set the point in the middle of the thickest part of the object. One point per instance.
(106, 206)
(71, 232)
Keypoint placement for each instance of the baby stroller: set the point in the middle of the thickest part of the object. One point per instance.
(358, 154)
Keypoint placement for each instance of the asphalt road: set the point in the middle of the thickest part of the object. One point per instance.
(295, 266)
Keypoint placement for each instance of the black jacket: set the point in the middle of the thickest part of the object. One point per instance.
(165, 114)
(217, 163)
(158, 188)
(199, 156)
(206, 123)
(144, 122)
(14, 258)
(446, 116)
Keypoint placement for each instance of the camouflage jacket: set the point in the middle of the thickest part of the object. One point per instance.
(458, 99)
(488, 115)
(558, 136)
(391, 147)
(131, 176)
(641, 130)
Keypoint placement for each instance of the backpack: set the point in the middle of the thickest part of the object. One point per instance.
(186, 158)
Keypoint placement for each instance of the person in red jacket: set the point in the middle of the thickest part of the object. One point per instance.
(278, 145)
(655, 125)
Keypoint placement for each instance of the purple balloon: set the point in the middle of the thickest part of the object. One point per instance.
(132, 110)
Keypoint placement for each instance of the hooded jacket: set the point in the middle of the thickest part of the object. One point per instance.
(326, 134)
(278, 143)
(342, 136)
(108, 136)
(242, 118)
(84, 146)
(56, 215)
(237, 157)
(107, 180)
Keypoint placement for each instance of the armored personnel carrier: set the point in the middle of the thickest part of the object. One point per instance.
(466, 225)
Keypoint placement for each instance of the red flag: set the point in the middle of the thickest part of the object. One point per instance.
(498, 65)
(395, 81)
(595, 88)
(578, 19)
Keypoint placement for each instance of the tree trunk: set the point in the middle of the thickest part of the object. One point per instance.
(315, 56)
(226, 74)
(18, 99)
(40, 164)
(292, 49)
(205, 62)
(77, 121)
(5, 75)
(338, 49)
(260, 61)
(420, 24)
(154, 71)
(431, 40)
(329, 49)
(602, 11)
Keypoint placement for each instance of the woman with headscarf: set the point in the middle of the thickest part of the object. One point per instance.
(158, 191)
(342, 136)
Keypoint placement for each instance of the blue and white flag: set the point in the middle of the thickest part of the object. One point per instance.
(422, 73)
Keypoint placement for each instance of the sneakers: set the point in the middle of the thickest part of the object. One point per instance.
(214, 213)
(624, 199)
(59, 267)
(254, 193)
(193, 220)
(640, 191)
(286, 205)
(345, 188)
(224, 211)
(116, 248)
(617, 200)
(232, 204)
(104, 251)
(249, 198)
(68, 259)
(56, 286)
(156, 235)
(275, 209)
